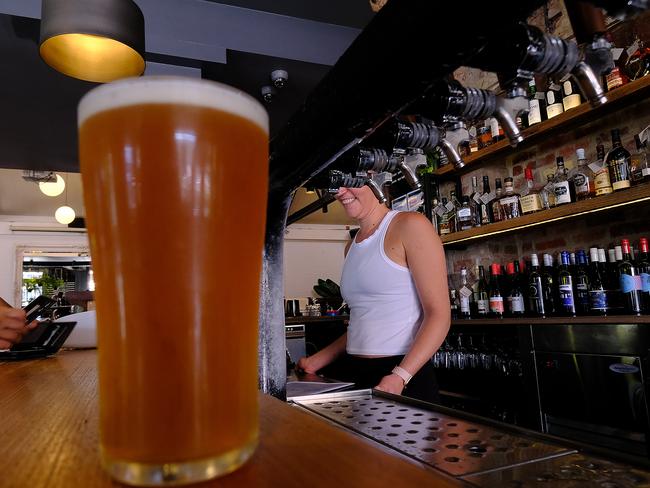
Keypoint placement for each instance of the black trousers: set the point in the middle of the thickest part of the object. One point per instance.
(368, 372)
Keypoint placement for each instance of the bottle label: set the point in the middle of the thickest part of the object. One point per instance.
(516, 304)
(496, 304)
(598, 300)
(482, 306)
(630, 283)
(464, 212)
(645, 171)
(562, 194)
(566, 296)
(620, 185)
(581, 181)
(534, 113)
(645, 282)
(554, 109)
(571, 101)
(582, 294)
(464, 304)
(510, 206)
(530, 203)
(602, 183)
(494, 127)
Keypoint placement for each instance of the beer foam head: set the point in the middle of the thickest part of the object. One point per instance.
(172, 90)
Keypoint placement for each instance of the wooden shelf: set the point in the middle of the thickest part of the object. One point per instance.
(616, 99)
(634, 195)
(610, 319)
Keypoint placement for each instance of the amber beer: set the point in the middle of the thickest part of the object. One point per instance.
(175, 175)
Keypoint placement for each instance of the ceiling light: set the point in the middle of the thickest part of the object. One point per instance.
(64, 215)
(53, 189)
(93, 40)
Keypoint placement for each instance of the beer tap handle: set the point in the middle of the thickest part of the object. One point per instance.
(589, 84)
(449, 145)
(409, 165)
(376, 182)
(507, 109)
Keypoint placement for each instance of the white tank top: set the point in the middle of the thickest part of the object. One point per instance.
(385, 310)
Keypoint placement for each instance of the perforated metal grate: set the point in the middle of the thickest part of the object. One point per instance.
(457, 447)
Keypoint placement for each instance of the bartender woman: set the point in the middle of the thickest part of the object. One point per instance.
(395, 282)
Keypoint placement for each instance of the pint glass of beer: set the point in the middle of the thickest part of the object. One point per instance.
(175, 175)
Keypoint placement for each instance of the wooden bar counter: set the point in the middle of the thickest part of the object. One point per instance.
(48, 438)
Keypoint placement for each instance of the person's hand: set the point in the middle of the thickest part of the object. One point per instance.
(391, 384)
(12, 326)
(307, 365)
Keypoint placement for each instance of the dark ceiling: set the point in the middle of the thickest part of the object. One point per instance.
(38, 126)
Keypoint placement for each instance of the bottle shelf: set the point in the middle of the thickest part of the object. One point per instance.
(616, 99)
(587, 320)
(631, 196)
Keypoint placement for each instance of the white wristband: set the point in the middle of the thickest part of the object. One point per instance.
(402, 373)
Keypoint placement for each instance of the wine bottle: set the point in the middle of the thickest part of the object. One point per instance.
(494, 292)
(618, 162)
(630, 281)
(583, 306)
(548, 285)
(515, 296)
(481, 297)
(643, 263)
(565, 287)
(536, 105)
(535, 289)
(597, 290)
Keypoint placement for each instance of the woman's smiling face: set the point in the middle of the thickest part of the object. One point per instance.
(356, 202)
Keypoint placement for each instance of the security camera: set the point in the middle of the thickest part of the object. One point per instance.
(268, 93)
(279, 77)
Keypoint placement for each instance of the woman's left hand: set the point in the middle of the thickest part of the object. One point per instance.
(391, 384)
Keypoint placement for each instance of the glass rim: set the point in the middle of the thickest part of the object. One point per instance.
(176, 90)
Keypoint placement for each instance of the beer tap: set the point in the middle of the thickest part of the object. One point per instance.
(376, 183)
(455, 133)
(520, 52)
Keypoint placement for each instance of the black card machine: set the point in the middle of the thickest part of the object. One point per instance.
(44, 340)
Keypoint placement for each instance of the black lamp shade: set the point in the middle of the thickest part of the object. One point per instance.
(93, 40)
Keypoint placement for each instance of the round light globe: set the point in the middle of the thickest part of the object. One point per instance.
(64, 215)
(53, 189)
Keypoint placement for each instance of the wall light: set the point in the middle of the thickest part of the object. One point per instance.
(64, 215)
(93, 40)
(54, 188)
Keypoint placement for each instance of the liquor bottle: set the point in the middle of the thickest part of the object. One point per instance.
(509, 203)
(640, 162)
(484, 136)
(548, 192)
(571, 92)
(475, 202)
(631, 288)
(464, 295)
(455, 303)
(618, 162)
(496, 131)
(582, 177)
(583, 306)
(565, 191)
(481, 297)
(643, 264)
(464, 215)
(567, 304)
(597, 290)
(602, 183)
(494, 292)
(536, 105)
(548, 285)
(447, 221)
(515, 297)
(496, 211)
(486, 198)
(473, 139)
(554, 105)
(529, 200)
(535, 289)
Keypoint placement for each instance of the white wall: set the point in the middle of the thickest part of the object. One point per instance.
(312, 251)
(12, 240)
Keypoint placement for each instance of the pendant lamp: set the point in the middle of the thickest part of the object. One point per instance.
(93, 40)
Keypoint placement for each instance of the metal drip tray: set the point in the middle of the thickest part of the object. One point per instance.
(573, 471)
(455, 446)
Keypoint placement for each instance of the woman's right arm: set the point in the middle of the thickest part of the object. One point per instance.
(325, 356)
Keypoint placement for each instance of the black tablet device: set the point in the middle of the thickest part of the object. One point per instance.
(36, 307)
(45, 340)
